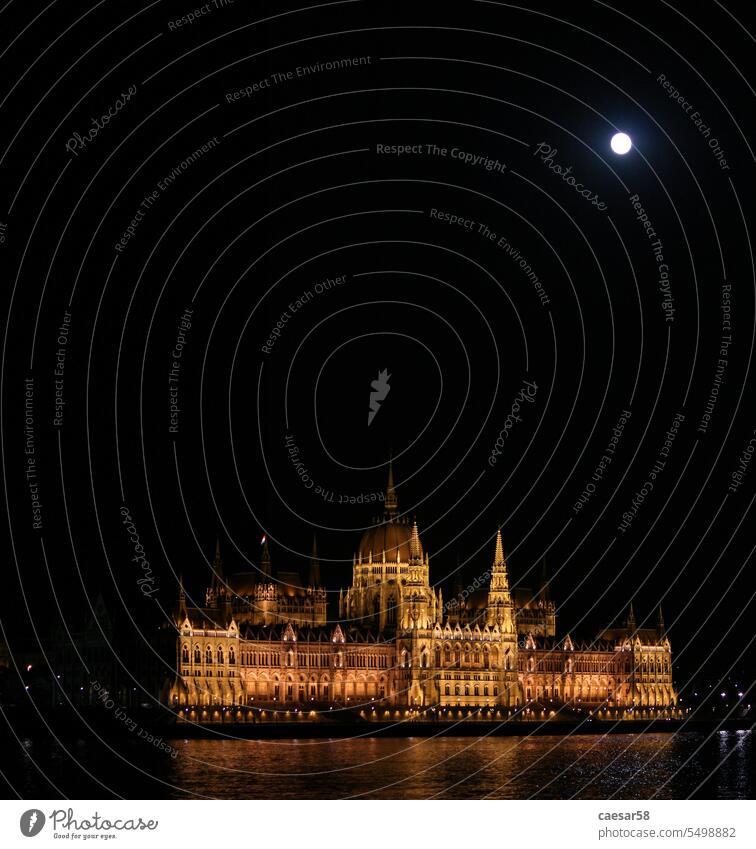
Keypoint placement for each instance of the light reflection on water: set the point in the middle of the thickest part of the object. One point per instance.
(624, 766)
(586, 767)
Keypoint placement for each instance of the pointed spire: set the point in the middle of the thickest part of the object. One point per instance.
(499, 554)
(458, 586)
(499, 610)
(456, 595)
(390, 503)
(314, 564)
(498, 588)
(265, 560)
(182, 598)
(416, 551)
(543, 591)
(630, 618)
(216, 579)
(660, 622)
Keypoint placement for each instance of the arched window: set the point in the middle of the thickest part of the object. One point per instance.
(185, 653)
(208, 655)
(456, 689)
(446, 690)
(391, 610)
(438, 657)
(197, 655)
(231, 655)
(220, 655)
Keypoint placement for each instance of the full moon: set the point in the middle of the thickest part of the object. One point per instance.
(621, 143)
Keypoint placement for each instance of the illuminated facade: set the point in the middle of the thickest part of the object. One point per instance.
(269, 644)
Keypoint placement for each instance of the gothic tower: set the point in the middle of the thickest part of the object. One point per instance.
(500, 616)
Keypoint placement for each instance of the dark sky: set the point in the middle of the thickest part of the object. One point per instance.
(302, 186)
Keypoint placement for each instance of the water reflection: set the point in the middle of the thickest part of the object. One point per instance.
(622, 766)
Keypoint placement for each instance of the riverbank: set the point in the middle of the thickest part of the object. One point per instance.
(91, 721)
(461, 728)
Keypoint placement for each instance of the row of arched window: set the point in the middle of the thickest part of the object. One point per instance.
(219, 655)
(459, 690)
(468, 656)
(458, 657)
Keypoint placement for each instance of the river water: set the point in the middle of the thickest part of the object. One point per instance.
(622, 766)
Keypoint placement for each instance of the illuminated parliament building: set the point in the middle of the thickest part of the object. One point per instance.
(266, 641)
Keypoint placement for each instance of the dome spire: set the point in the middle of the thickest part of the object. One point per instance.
(390, 503)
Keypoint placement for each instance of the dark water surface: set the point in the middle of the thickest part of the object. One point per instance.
(624, 766)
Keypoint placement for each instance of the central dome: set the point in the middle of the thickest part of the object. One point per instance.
(392, 536)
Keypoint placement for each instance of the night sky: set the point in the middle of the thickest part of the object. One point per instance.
(296, 199)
